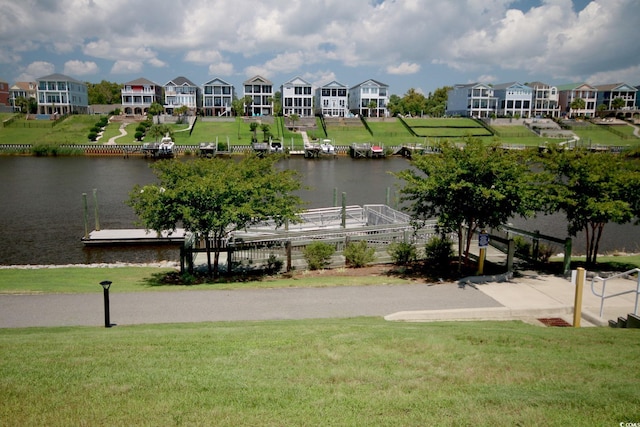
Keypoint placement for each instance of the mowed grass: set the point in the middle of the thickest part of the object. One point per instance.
(142, 279)
(75, 129)
(362, 371)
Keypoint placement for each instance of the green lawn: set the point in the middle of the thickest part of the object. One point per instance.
(75, 129)
(139, 279)
(361, 371)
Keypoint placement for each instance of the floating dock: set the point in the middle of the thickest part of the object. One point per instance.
(133, 236)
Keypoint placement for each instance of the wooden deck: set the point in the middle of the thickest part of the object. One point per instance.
(132, 236)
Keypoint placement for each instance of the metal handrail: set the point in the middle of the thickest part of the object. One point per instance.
(624, 275)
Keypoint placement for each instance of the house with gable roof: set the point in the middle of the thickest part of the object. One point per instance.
(139, 94)
(513, 99)
(218, 96)
(261, 92)
(332, 100)
(471, 100)
(182, 92)
(26, 90)
(297, 97)
(60, 94)
(544, 100)
(369, 92)
(607, 93)
(570, 92)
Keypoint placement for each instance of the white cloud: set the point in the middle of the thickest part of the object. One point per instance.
(221, 69)
(628, 75)
(80, 68)
(35, 70)
(126, 67)
(403, 68)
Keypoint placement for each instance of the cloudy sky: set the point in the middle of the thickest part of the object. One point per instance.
(420, 44)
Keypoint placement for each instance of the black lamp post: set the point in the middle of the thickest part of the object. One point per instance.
(105, 286)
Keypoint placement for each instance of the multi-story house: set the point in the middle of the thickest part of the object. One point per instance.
(607, 93)
(4, 93)
(544, 100)
(471, 100)
(571, 92)
(182, 92)
(261, 92)
(297, 98)
(139, 94)
(514, 99)
(218, 97)
(332, 100)
(369, 98)
(26, 90)
(60, 94)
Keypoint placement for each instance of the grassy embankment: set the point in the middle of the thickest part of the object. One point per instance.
(142, 279)
(361, 371)
(388, 133)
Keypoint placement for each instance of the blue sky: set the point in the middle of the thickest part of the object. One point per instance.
(420, 44)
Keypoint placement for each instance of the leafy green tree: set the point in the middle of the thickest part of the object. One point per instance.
(155, 109)
(395, 105)
(247, 101)
(214, 197)
(372, 105)
(104, 92)
(237, 105)
(578, 104)
(277, 103)
(253, 126)
(414, 102)
(158, 131)
(469, 188)
(181, 110)
(21, 104)
(293, 118)
(593, 189)
(617, 103)
(437, 101)
(265, 131)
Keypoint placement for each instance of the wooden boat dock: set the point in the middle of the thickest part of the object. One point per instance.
(133, 236)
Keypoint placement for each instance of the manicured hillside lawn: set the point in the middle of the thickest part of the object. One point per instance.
(599, 136)
(361, 371)
(440, 122)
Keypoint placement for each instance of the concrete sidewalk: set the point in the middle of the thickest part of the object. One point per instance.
(527, 298)
(533, 296)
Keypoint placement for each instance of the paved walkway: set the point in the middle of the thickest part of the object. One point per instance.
(526, 298)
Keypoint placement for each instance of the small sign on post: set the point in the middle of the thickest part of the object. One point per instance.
(483, 240)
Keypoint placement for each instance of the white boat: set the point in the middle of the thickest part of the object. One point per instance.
(326, 147)
(166, 144)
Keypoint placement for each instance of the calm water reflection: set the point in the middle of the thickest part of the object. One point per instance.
(41, 218)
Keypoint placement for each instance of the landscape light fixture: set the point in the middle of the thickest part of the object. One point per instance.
(105, 287)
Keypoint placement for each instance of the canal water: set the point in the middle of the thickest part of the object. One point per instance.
(41, 214)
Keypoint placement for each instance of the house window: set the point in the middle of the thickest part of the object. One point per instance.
(326, 92)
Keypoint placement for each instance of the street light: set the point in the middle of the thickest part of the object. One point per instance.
(105, 286)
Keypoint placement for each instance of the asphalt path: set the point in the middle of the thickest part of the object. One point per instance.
(19, 311)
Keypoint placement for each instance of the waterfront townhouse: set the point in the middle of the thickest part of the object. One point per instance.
(471, 100)
(4, 93)
(297, 98)
(182, 92)
(369, 98)
(26, 90)
(513, 99)
(331, 100)
(573, 91)
(139, 94)
(261, 92)
(218, 96)
(608, 93)
(544, 100)
(60, 94)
